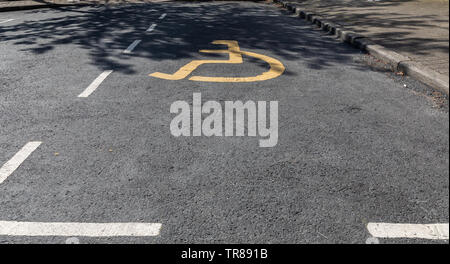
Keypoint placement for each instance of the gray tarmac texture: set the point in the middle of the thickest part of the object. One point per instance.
(354, 145)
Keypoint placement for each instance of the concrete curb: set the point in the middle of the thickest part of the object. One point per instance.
(397, 61)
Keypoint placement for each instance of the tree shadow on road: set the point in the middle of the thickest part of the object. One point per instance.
(106, 31)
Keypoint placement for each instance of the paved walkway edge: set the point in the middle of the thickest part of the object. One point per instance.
(39, 5)
(398, 62)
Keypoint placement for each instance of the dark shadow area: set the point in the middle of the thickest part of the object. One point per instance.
(106, 31)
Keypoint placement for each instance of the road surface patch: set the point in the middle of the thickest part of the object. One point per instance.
(9, 167)
(95, 84)
(425, 231)
(132, 46)
(14, 228)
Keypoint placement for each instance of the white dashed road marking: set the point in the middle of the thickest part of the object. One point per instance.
(13, 228)
(9, 167)
(163, 16)
(425, 231)
(95, 84)
(132, 46)
(151, 28)
(5, 21)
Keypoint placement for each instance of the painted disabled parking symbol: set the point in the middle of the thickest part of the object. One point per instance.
(235, 57)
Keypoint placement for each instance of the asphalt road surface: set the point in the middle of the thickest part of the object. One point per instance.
(354, 145)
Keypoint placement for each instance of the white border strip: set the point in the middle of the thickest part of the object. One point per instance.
(132, 46)
(7, 20)
(151, 28)
(13, 228)
(163, 16)
(95, 84)
(426, 231)
(9, 167)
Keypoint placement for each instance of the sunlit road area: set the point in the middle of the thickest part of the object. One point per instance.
(87, 153)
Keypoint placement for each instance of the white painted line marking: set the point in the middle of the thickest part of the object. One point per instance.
(13, 228)
(163, 16)
(132, 46)
(95, 84)
(9, 167)
(5, 21)
(426, 231)
(151, 28)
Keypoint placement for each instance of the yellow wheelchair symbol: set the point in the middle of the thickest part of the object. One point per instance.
(235, 57)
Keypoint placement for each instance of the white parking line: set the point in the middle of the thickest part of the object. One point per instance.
(132, 46)
(5, 21)
(13, 228)
(426, 231)
(95, 84)
(151, 28)
(163, 16)
(9, 167)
